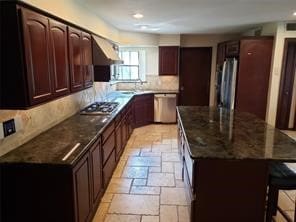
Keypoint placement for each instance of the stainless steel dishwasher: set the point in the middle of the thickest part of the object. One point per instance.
(165, 108)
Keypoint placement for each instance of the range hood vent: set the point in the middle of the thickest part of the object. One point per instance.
(104, 53)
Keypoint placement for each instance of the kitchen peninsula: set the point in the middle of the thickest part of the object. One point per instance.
(225, 162)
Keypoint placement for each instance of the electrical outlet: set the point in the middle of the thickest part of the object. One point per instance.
(8, 127)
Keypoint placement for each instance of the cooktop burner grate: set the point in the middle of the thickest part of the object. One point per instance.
(100, 108)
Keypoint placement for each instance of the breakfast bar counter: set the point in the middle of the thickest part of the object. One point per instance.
(225, 162)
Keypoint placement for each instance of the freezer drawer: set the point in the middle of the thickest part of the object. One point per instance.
(165, 108)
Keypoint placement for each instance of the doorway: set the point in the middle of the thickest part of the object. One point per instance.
(195, 75)
(286, 115)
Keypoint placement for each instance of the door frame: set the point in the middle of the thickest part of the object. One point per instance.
(281, 89)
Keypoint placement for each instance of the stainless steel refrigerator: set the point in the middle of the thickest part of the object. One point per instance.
(226, 84)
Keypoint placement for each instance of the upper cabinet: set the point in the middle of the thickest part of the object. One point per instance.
(75, 57)
(41, 58)
(37, 56)
(232, 49)
(60, 63)
(168, 60)
(221, 53)
(80, 54)
(88, 71)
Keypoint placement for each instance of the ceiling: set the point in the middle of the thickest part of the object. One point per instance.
(191, 16)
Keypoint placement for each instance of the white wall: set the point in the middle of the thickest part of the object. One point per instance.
(276, 69)
(207, 41)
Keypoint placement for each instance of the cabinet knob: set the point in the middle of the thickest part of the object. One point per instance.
(182, 88)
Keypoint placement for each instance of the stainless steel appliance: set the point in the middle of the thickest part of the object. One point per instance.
(165, 108)
(100, 108)
(226, 84)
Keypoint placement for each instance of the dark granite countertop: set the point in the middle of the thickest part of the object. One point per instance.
(51, 146)
(214, 133)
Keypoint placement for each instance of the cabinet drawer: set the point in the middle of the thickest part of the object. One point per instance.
(108, 147)
(109, 168)
(107, 131)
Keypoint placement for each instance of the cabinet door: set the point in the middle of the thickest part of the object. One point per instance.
(118, 133)
(75, 58)
(37, 55)
(232, 48)
(168, 60)
(140, 114)
(150, 109)
(87, 60)
(97, 169)
(60, 64)
(221, 53)
(82, 189)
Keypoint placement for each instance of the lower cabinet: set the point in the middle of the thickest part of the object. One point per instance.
(82, 190)
(143, 109)
(119, 145)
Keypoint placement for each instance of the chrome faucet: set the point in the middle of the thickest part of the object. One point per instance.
(138, 81)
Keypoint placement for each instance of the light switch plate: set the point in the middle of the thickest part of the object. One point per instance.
(18, 126)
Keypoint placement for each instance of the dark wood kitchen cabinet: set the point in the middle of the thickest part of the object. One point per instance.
(87, 63)
(82, 189)
(143, 109)
(97, 176)
(168, 60)
(254, 71)
(75, 57)
(60, 62)
(80, 54)
(35, 57)
(53, 192)
(232, 49)
(221, 53)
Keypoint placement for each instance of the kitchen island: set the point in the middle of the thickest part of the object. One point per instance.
(225, 162)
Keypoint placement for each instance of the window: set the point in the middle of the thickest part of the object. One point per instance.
(133, 65)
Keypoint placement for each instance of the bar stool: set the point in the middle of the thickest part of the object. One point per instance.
(281, 177)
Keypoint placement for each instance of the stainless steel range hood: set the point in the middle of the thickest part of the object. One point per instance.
(104, 53)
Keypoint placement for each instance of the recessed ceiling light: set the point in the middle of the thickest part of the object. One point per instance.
(294, 13)
(138, 15)
(143, 27)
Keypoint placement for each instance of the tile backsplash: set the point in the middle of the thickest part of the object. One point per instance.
(153, 82)
(40, 118)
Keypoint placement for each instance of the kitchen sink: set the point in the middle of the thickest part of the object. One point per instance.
(128, 92)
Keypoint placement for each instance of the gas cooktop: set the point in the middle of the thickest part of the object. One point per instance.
(100, 108)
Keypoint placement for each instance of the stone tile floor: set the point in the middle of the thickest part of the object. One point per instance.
(147, 184)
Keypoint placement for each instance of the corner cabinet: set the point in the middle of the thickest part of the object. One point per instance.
(36, 62)
(168, 60)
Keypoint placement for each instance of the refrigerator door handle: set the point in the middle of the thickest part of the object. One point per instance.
(223, 83)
